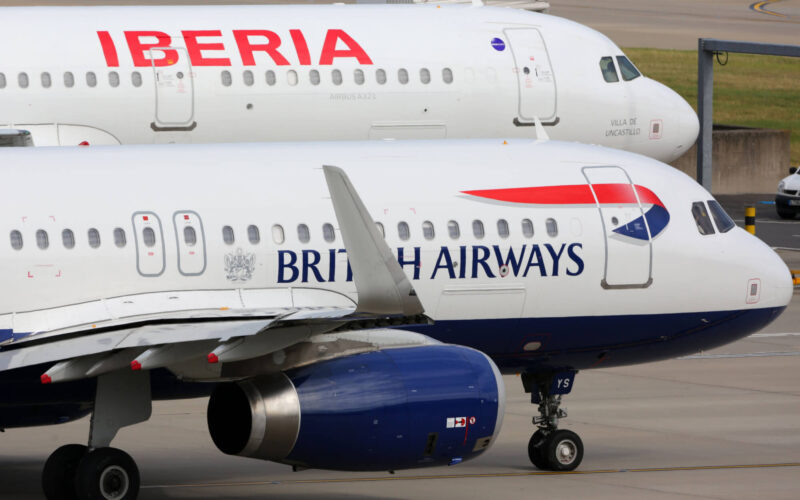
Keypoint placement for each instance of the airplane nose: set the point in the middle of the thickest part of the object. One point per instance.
(778, 285)
(689, 127)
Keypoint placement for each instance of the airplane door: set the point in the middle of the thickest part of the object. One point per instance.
(174, 91)
(535, 78)
(191, 242)
(150, 255)
(629, 248)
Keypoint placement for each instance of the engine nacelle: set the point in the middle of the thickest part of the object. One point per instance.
(381, 410)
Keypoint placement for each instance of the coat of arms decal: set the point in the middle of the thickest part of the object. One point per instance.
(239, 266)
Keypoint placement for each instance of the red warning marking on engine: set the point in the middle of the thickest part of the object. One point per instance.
(471, 420)
(453, 422)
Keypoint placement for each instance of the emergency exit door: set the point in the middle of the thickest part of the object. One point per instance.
(150, 255)
(535, 78)
(191, 241)
(174, 88)
(628, 243)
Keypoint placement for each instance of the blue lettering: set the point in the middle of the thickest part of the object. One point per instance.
(415, 262)
(444, 254)
(283, 265)
(462, 255)
(312, 265)
(480, 260)
(331, 265)
(575, 258)
(556, 256)
(349, 269)
(510, 259)
(535, 252)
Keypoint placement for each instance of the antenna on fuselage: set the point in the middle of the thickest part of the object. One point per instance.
(541, 135)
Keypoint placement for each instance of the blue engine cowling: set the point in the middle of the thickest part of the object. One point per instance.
(382, 410)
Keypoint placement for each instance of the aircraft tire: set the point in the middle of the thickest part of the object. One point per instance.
(106, 474)
(536, 447)
(58, 475)
(563, 450)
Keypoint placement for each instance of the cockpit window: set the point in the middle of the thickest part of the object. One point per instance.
(608, 69)
(721, 218)
(701, 218)
(628, 70)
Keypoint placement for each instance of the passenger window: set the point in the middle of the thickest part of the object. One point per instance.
(277, 234)
(502, 228)
(313, 75)
(136, 79)
(427, 230)
(226, 78)
(336, 75)
(291, 77)
(69, 79)
(94, 238)
(425, 76)
(453, 230)
(91, 79)
(2, 80)
(402, 76)
(552, 227)
(113, 79)
(253, 234)
(120, 240)
(527, 228)
(189, 236)
(447, 75)
(380, 76)
(16, 240)
(22, 80)
(46, 80)
(148, 236)
(721, 218)
(477, 229)
(303, 234)
(381, 229)
(358, 76)
(628, 70)
(68, 238)
(403, 232)
(608, 69)
(227, 235)
(247, 76)
(270, 75)
(701, 218)
(328, 234)
(42, 241)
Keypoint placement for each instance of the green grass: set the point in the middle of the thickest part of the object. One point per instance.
(753, 91)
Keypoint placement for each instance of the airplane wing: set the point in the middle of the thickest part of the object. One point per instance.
(385, 298)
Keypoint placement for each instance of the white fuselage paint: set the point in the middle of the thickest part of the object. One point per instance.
(72, 77)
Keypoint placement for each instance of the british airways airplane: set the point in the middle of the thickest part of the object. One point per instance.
(384, 304)
(199, 74)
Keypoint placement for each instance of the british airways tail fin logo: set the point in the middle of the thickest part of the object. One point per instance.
(655, 213)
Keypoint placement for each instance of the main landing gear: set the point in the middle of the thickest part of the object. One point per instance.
(551, 448)
(98, 472)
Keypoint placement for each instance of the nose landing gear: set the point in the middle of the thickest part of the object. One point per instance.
(551, 448)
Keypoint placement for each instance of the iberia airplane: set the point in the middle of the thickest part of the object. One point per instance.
(136, 75)
(407, 274)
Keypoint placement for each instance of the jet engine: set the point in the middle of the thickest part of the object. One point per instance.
(381, 410)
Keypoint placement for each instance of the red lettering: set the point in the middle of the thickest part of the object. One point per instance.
(246, 48)
(301, 47)
(138, 48)
(330, 52)
(195, 48)
(109, 50)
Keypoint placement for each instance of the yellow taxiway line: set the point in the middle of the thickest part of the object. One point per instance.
(759, 7)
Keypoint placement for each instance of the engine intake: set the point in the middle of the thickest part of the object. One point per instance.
(382, 410)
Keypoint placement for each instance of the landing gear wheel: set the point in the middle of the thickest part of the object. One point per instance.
(536, 448)
(785, 214)
(564, 450)
(107, 474)
(58, 476)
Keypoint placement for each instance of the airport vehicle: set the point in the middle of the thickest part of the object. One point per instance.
(198, 74)
(377, 288)
(787, 199)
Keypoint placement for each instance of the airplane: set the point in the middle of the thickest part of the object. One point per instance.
(378, 289)
(199, 74)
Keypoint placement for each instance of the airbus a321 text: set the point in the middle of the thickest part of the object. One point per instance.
(144, 74)
(409, 275)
